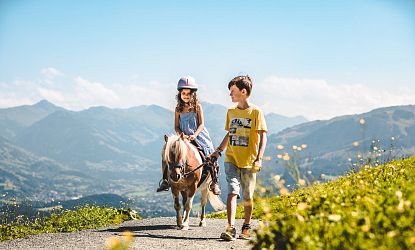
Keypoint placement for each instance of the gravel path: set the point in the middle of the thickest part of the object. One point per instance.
(153, 233)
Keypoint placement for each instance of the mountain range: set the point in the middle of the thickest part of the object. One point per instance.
(48, 152)
(339, 145)
(99, 149)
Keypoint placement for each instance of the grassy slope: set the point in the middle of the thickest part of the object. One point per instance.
(373, 208)
(86, 217)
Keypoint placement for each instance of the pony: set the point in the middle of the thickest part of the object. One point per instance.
(184, 167)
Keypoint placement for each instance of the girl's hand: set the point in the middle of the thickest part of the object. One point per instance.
(192, 137)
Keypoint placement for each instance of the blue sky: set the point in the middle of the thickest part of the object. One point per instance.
(318, 59)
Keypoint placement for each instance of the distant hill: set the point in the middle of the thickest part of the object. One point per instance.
(14, 120)
(102, 200)
(108, 142)
(330, 142)
(276, 122)
(27, 175)
(112, 143)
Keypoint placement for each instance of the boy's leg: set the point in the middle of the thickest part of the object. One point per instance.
(232, 177)
(248, 207)
(248, 181)
(231, 209)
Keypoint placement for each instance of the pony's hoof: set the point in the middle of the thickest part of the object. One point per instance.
(202, 224)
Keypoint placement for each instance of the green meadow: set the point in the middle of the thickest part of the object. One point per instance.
(370, 209)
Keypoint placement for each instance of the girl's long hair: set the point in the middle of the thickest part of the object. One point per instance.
(194, 102)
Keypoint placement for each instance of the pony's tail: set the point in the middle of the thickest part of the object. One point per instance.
(216, 202)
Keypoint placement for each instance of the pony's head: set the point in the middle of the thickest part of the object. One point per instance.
(174, 155)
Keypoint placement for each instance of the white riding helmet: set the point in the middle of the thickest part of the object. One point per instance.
(187, 82)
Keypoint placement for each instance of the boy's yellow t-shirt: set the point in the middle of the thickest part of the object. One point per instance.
(243, 126)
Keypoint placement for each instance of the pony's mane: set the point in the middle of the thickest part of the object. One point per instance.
(180, 149)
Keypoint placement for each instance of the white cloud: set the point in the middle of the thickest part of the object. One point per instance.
(51, 95)
(154, 92)
(88, 93)
(50, 72)
(80, 93)
(312, 98)
(318, 99)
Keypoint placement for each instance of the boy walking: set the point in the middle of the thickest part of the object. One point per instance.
(245, 145)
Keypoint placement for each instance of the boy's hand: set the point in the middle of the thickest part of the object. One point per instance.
(257, 166)
(213, 156)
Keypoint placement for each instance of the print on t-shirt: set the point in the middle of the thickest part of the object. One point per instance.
(239, 131)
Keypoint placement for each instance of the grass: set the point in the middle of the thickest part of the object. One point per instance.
(371, 209)
(86, 217)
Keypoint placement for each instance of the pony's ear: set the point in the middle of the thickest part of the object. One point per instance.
(166, 138)
(182, 136)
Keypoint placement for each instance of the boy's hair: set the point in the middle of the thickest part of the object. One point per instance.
(194, 102)
(242, 82)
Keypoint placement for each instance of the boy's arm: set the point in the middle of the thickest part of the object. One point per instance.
(224, 143)
(262, 144)
(222, 147)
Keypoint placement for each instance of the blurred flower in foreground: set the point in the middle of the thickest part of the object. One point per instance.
(286, 157)
(334, 217)
(124, 243)
(277, 178)
(301, 182)
(302, 206)
(399, 194)
(280, 147)
(284, 191)
(356, 144)
(362, 121)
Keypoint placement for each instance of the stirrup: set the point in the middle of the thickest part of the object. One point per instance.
(162, 188)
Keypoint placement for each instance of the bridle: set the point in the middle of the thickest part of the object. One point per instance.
(183, 166)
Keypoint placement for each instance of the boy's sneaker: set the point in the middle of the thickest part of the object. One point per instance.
(246, 232)
(229, 234)
(164, 186)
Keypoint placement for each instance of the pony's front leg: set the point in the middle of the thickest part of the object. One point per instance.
(177, 208)
(203, 213)
(188, 208)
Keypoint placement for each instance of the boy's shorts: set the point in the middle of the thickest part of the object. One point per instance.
(240, 177)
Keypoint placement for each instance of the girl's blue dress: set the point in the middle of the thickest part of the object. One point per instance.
(189, 124)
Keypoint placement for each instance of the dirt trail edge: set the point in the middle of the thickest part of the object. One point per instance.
(152, 233)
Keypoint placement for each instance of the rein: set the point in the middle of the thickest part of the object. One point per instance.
(194, 170)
